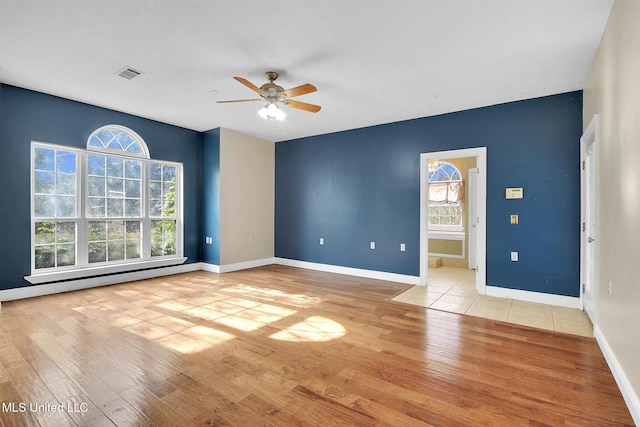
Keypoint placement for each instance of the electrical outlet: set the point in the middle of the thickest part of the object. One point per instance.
(322, 240)
(403, 247)
(372, 245)
(514, 256)
(208, 240)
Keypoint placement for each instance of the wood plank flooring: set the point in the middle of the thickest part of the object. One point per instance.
(279, 346)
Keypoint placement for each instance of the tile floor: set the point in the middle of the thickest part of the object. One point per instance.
(453, 289)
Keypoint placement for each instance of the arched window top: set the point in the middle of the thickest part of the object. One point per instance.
(440, 171)
(118, 139)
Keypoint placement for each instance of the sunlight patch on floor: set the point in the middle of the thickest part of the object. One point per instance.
(312, 329)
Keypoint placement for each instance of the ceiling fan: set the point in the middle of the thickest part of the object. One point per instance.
(275, 96)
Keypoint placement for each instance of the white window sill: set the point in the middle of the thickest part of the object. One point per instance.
(446, 235)
(80, 273)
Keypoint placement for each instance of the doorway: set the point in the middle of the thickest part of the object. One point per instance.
(588, 242)
(478, 220)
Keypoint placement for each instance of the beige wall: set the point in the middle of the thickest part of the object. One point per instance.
(247, 183)
(613, 91)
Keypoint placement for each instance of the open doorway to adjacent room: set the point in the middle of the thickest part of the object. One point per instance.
(453, 213)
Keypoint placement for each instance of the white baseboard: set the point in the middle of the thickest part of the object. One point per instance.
(92, 282)
(211, 268)
(628, 393)
(247, 264)
(370, 274)
(517, 294)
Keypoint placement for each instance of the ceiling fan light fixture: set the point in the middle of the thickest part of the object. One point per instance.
(272, 112)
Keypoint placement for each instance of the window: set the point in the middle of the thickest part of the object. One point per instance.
(108, 205)
(445, 196)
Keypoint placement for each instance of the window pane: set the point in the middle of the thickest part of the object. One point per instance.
(163, 238)
(115, 187)
(133, 169)
(96, 165)
(45, 206)
(134, 148)
(44, 159)
(132, 189)
(115, 167)
(97, 252)
(44, 257)
(133, 249)
(155, 208)
(66, 207)
(97, 231)
(155, 190)
(66, 162)
(155, 172)
(115, 207)
(96, 186)
(96, 207)
(66, 255)
(45, 233)
(44, 182)
(168, 173)
(115, 250)
(66, 232)
(132, 208)
(133, 229)
(115, 230)
(66, 184)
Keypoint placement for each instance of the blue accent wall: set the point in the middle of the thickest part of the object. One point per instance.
(363, 185)
(27, 116)
(211, 194)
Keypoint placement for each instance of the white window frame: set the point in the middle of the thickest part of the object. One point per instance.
(83, 268)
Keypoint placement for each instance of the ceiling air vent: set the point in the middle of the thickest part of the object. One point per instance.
(129, 73)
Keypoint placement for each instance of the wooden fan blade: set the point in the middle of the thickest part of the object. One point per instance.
(238, 100)
(303, 106)
(299, 90)
(250, 85)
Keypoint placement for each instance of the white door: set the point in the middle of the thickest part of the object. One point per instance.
(588, 243)
(472, 220)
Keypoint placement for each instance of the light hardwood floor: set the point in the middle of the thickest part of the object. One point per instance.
(281, 346)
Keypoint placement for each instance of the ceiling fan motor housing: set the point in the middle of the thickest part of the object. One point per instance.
(271, 88)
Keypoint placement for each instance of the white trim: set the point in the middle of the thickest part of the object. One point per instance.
(446, 235)
(370, 274)
(54, 276)
(211, 268)
(588, 199)
(92, 282)
(539, 297)
(246, 264)
(628, 393)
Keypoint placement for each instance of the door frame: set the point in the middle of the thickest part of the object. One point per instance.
(472, 177)
(480, 153)
(588, 223)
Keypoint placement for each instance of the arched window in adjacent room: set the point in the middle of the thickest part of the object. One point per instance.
(445, 196)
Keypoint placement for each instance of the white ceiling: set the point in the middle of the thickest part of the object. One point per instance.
(372, 61)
